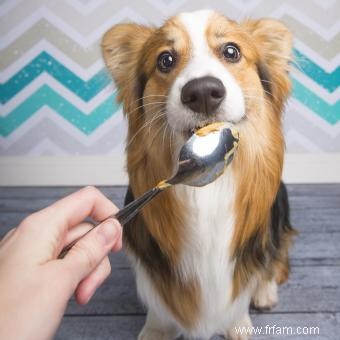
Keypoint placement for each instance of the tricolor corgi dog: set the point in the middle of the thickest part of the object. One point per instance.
(203, 255)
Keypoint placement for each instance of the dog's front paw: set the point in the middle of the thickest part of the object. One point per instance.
(265, 296)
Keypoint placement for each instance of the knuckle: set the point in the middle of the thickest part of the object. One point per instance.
(28, 221)
(87, 254)
(91, 190)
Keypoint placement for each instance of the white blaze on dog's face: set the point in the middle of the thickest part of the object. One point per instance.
(205, 90)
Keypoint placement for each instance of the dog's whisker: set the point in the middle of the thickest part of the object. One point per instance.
(164, 133)
(158, 115)
(150, 95)
(140, 106)
(157, 132)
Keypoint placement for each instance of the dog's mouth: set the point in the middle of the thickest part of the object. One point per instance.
(189, 132)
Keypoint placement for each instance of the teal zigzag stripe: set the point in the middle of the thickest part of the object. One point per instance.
(47, 96)
(88, 123)
(86, 90)
(330, 81)
(330, 113)
(46, 63)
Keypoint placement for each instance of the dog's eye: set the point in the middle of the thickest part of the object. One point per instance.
(166, 61)
(231, 52)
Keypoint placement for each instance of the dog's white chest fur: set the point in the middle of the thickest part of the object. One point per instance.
(207, 257)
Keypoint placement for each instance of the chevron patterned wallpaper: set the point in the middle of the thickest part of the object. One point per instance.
(57, 99)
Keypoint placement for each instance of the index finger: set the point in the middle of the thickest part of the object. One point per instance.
(73, 209)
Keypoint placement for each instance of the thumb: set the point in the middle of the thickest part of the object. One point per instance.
(90, 250)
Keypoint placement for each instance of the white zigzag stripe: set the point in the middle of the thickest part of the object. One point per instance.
(109, 143)
(83, 40)
(85, 9)
(44, 45)
(325, 4)
(294, 136)
(46, 147)
(8, 6)
(116, 121)
(297, 107)
(293, 120)
(44, 78)
(327, 65)
(330, 98)
(326, 33)
(245, 6)
(169, 8)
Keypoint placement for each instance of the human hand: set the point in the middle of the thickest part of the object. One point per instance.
(35, 285)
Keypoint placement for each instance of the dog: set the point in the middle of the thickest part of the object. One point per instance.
(202, 256)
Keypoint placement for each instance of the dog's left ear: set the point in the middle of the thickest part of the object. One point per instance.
(274, 45)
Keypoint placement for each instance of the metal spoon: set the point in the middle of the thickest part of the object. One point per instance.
(202, 159)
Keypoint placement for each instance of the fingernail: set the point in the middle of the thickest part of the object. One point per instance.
(108, 231)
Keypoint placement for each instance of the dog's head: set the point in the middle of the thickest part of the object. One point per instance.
(198, 68)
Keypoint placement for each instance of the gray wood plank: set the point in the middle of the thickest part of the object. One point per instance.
(128, 327)
(316, 245)
(30, 192)
(98, 328)
(314, 262)
(297, 203)
(52, 192)
(316, 220)
(116, 296)
(309, 289)
(314, 202)
(34, 204)
(309, 190)
(312, 190)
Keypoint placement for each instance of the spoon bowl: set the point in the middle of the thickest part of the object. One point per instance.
(205, 155)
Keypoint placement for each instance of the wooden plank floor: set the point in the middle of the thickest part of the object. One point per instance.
(311, 297)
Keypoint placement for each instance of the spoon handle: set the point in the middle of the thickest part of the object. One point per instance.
(124, 215)
(129, 211)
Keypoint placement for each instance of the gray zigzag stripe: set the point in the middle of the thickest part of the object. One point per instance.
(327, 49)
(45, 30)
(294, 120)
(81, 23)
(325, 17)
(85, 57)
(48, 129)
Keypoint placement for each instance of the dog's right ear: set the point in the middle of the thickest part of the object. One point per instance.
(121, 48)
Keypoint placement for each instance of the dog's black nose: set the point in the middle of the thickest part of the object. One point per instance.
(203, 95)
